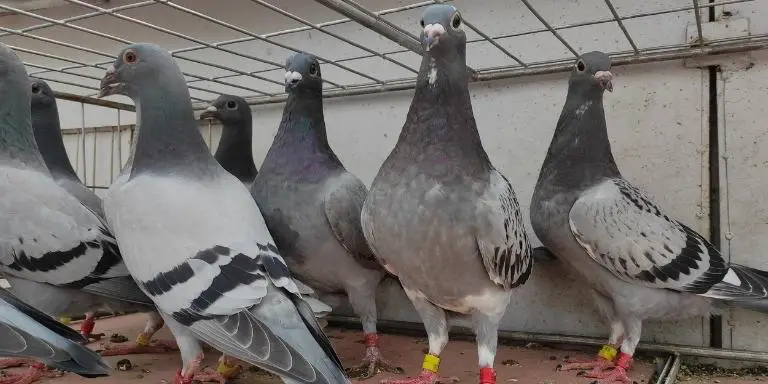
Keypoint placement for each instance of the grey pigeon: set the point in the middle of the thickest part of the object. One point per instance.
(439, 216)
(58, 255)
(47, 129)
(196, 242)
(312, 205)
(638, 262)
(234, 152)
(27, 332)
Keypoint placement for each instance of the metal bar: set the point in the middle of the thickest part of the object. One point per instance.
(697, 14)
(678, 52)
(406, 327)
(247, 32)
(621, 25)
(332, 34)
(106, 36)
(494, 43)
(549, 27)
(93, 101)
(674, 369)
(375, 24)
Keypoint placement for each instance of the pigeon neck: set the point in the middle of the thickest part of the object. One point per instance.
(235, 153)
(47, 129)
(169, 138)
(17, 141)
(440, 116)
(580, 152)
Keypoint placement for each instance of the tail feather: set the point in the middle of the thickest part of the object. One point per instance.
(743, 287)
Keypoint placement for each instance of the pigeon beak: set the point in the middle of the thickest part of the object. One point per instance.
(209, 113)
(605, 79)
(110, 84)
(432, 34)
(292, 79)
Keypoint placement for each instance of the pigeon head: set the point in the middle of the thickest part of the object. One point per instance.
(139, 66)
(42, 94)
(302, 71)
(442, 29)
(228, 109)
(592, 71)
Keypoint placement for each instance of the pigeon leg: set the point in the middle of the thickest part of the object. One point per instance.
(486, 331)
(228, 369)
(86, 328)
(363, 301)
(604, 358)
(437, 335)
(619, 372)
(144, 342)
(189, 348)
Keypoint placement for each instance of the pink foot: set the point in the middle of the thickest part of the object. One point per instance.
(13, 363)
(372, 361)
(617, 374)
(154, 347)
(86, 328)
(426, 377)
(35, 372)
(595, 366)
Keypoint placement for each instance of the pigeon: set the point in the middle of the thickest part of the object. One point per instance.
(234, 152)
(195, 241)
(27, 332)
(58, 255)
(638, 262)
(47, 130)
(312, 206)
(439, 216)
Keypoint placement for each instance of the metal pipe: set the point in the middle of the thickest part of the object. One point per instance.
(375, 24)
(621, 25)
(406, 327)
(697, 15)
(752, 44)
(662, 376)
(549, 26)
(674, 369)
(93, 101)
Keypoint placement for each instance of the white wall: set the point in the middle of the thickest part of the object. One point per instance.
(657, 117)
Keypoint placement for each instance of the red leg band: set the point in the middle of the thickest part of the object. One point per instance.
(623, 360)
(487, 376)
(87, 326)
(371, 340)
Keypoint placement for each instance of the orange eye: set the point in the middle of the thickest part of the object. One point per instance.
(130, 57)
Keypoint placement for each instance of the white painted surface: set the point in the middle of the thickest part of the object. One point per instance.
(657, 123)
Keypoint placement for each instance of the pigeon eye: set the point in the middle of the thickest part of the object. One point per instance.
(421, 22)
(313, 69)
(130, 57)
(580, 66)
(231, 104)
(456, 21)
(35, 88)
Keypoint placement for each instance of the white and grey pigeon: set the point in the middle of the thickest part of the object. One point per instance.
(312, 206)
(196, 242)
(638, 262)
(57, 254)
(47, 130)
(27, 332)
(439, 216)
(235, 150)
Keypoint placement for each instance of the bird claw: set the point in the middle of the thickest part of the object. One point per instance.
(372, 364)
(91, 337)
(154, 347)
(610, 376)
(595, 365)
(426, 377)
(211, 376)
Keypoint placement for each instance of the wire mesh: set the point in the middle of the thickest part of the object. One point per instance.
(239, 48)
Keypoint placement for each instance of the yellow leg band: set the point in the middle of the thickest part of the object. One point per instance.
(431, 363)
(608, 352)
(226, 370)
(65, 320)
(142, 340)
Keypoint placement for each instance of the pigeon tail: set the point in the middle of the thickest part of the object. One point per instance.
(742, 287)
